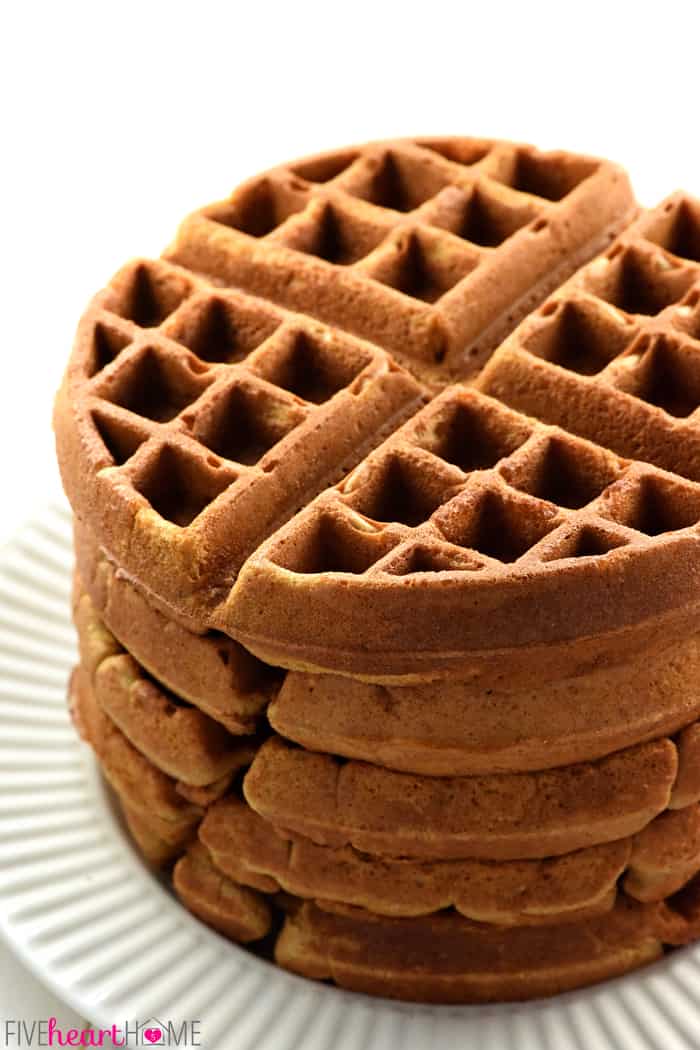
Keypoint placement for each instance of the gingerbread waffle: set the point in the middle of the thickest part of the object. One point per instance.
(445, 958)
(656, 862)
(561, 890)
(194, 419)
(488, 725)
(441, 957)
(211, 671)
(485, 596)
(431, 248)
(488, 817)
(178, 739)
(250, 851)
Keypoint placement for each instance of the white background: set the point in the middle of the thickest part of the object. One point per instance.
(119, 118)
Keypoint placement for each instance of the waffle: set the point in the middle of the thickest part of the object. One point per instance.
(292, 443)
(433, 249)
(485, 725)
(488, 817)
(656, 862)
(194, 419)
(564, 889)
(441, 957)
(446, 958)
(178, 739)
(237, 911)
(211, 671)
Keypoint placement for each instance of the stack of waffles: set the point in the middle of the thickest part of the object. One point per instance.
(386, 481)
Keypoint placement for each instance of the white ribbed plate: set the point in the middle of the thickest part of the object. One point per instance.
(92, 922)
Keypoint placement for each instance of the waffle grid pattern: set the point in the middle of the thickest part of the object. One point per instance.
(401, 241)
(236, 400)
(209, 406)
(471, 486)
(541, 485)
(212, 419)
(615, 354)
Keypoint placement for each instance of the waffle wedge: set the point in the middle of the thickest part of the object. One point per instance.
(433, 249)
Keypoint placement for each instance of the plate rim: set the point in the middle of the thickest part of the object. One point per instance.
(467, 1022)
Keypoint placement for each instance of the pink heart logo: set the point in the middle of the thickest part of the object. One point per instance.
(153, 1034)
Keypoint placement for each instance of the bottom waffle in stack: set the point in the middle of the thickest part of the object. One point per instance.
(387, 878)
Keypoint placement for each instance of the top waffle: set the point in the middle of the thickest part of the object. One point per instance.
(195, 418)
(585, 532)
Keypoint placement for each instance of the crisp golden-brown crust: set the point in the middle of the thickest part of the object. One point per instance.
(446, 958)
(489, 817)
(563, 889)
(491, 724)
